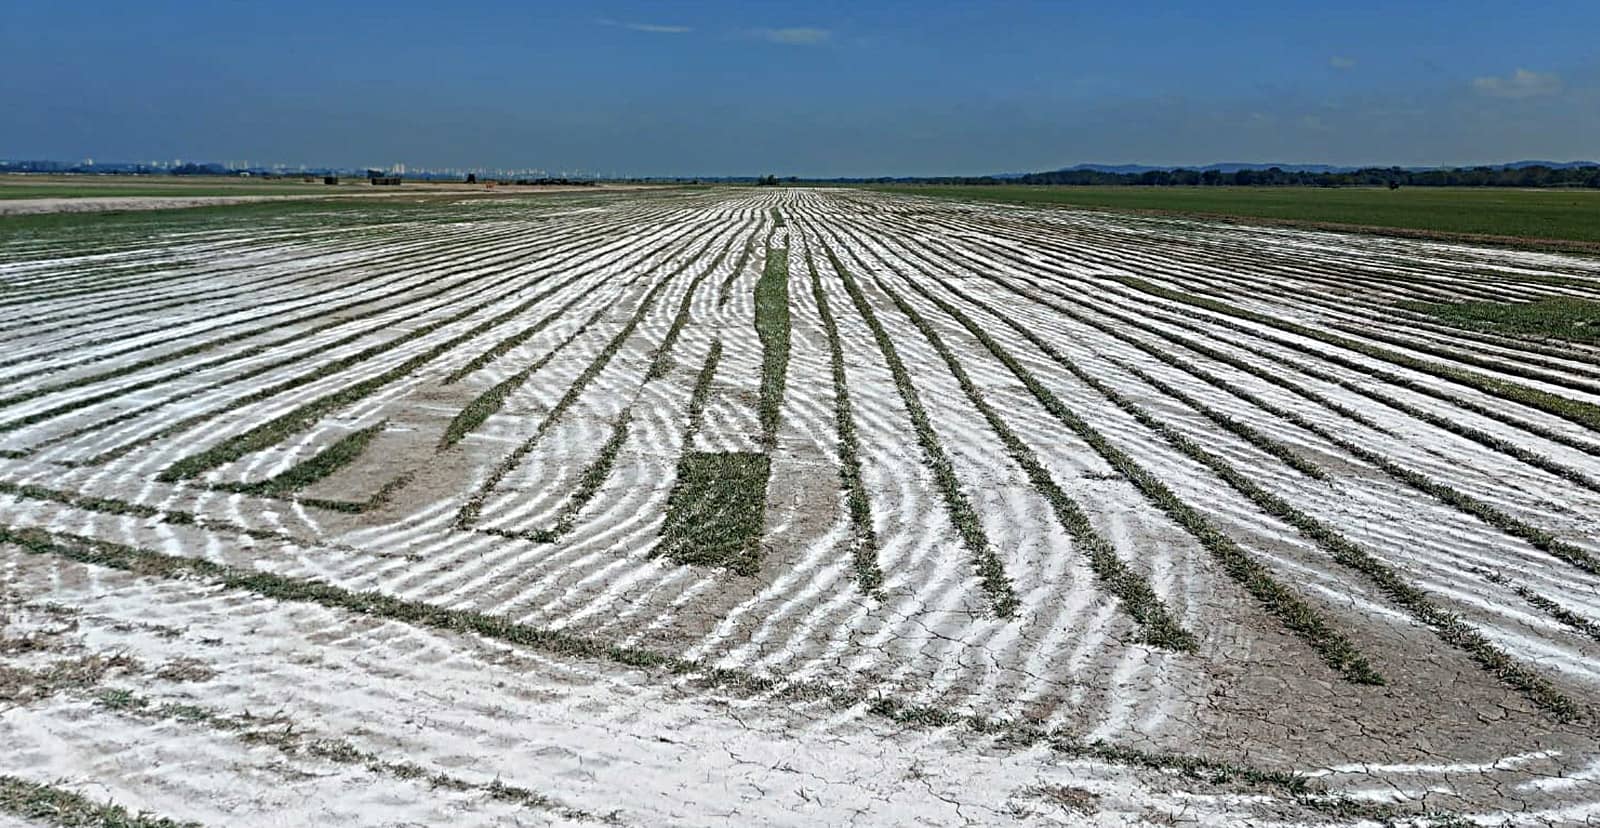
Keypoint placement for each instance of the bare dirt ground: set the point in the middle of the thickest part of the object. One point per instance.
(1016, 516)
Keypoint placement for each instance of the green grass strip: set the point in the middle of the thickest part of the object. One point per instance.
(1577, 411)
(772, 326)
(324, 463)
(991, 572)
(726, 290)
(35, 801)
(716, 511)
(1160, 628)
(864, 540)
(702, 390)
(1281, 601)
(1557, 317)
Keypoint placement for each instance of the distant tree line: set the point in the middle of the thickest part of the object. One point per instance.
(1531, 176)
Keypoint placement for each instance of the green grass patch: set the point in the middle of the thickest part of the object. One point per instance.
(1567, 215)
(51, 805)
(716, 510)
(1555, 317)
(772, 326)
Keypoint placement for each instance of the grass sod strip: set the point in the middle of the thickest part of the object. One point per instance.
(56, 806)
(378, 500)
(317, 467)
(303, 417)
(1159, 628)
(1279, 600)
(1582, 413)
(594, 475)
(149, 563)
(291, 738)
(174, 517)
(702, 390)
(473, 506)
(991, 572)
(1448, 626)
(772, 327)
(864, 541)
(716, 511)
(1552, 317)
(726, 291)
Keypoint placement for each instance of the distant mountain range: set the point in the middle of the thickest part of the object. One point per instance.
(1235, 166)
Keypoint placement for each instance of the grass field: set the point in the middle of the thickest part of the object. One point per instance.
(86, 186)
(1567, 215)
(804, 506)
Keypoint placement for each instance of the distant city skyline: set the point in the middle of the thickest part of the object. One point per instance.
(821, 90)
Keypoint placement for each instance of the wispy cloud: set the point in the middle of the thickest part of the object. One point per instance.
(794, 35)
(1342, 62)
(1519, 84)
(657, 28)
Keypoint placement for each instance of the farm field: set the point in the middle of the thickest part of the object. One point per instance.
(788, 506)
(1550, 215)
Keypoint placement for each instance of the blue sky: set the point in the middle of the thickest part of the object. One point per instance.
(818, 88)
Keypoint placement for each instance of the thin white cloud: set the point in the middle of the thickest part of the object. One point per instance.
(794, 35)
(656, 28)
(1341, 62)
(1519, 84)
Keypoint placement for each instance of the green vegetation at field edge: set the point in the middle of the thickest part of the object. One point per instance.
(1564, 215)
(1557, 317)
